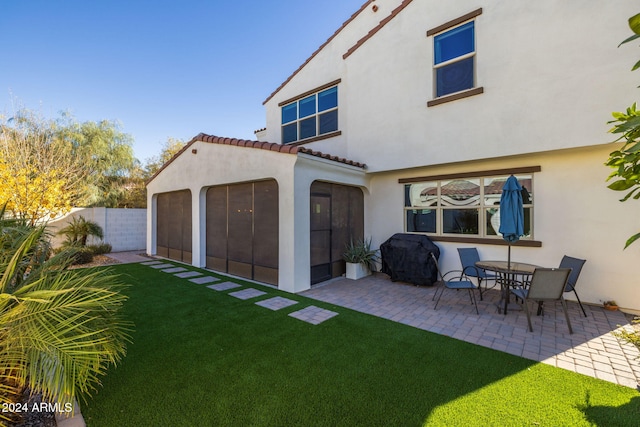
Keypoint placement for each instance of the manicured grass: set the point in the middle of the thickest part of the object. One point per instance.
(201, 357)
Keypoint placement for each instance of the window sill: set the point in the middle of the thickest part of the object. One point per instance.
(455, 96)
(485, 241)
(316, 138)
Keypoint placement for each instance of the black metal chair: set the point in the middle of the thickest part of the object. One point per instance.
(575, 264)
(468, 259)
(461, 282)
(547, 284)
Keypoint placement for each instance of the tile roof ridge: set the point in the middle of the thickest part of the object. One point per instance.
(344, 24)
(262, 145)
(271, 146)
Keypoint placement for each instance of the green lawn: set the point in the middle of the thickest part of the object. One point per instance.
(203, 358)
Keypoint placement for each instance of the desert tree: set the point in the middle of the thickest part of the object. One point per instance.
(41, 177)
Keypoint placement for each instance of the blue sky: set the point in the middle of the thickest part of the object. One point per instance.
(161, 68)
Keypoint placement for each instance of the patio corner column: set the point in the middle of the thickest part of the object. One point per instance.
(293, 260)
(198, 215)
(152, 209)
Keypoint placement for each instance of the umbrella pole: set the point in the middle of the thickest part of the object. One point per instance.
(509, 258)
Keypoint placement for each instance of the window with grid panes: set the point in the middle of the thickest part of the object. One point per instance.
(454, 59)
(466, 206)
(311, 116)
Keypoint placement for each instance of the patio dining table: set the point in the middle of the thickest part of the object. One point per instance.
(508, 274)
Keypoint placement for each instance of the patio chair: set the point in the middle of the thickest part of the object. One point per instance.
(459, 283)
(575, 264)
(547, 284)
(468, 259)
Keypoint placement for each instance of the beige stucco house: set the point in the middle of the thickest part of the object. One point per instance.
(408, 119)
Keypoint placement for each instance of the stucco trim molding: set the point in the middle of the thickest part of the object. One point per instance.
(486, 241)
(474, 174)
(455, 96)
(454, 22)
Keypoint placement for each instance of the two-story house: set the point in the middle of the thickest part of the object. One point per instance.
(408, 119)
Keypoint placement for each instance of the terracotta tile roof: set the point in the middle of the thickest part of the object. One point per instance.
(377, 28)
(270, 146)
(363, 7)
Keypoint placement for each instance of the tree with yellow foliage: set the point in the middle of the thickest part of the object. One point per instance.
(47, 166)
(39, 175)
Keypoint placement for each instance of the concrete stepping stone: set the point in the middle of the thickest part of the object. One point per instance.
(174, 270)
(314, 315)
(188, 274)
(223, 286)
(204, 279)
(151, 262)
(276, 303)
(247, 293)
(163, 265)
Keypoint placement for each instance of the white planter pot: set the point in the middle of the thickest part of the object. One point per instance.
(356, 271)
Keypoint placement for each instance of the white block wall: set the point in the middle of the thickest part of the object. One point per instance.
(124, 229)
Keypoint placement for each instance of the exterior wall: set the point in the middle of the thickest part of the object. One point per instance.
(216, 164)
(574, 214)
(124, 229)
(542, 75)
(307, 171)
(326, 67)
(549, 89)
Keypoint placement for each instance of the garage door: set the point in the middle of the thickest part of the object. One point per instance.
(242, 230)
(174, 225)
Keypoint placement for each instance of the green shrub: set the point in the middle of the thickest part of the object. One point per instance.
(102, 248)
(60, 328)
(78, 231)
(83, 256)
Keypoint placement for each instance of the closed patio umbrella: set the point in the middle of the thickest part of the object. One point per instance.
(511, 213)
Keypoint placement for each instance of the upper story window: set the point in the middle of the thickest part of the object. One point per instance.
(454, 59)
(313, 115)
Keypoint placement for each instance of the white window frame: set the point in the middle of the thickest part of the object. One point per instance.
(482, 207)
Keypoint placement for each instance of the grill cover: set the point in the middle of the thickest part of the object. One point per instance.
(405, 257)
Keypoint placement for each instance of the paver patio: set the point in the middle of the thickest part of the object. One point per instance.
(591, 350)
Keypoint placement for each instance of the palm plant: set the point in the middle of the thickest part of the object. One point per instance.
(360, 252)
(59, 329)
(78, 231)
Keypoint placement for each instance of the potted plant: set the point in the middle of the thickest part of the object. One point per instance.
(360, 259)
(610, 305)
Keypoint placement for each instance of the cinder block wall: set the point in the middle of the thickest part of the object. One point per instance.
(124, 229)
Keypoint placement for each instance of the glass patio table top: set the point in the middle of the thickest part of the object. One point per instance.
(513, 267)
(507, 277)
